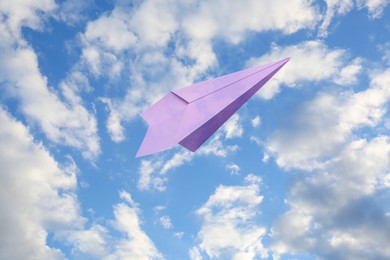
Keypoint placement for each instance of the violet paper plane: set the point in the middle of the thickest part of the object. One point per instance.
(189, 116)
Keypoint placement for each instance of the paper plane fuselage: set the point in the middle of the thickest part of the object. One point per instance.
(189, 116)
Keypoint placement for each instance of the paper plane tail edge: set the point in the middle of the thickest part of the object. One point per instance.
(142, 151)
(152, 143)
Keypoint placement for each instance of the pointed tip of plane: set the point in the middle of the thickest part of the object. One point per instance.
(285, 60)
(138, 154)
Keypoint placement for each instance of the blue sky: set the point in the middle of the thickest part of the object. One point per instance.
(300, 172)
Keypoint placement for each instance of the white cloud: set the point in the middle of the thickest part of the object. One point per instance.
(113, 124)
(87, 243)
(228, 228)
(177, 160)
(149, 177)
(375, 7)
(101, 242)
(256, 121)
(159, 208)
(135, 244)
(385, 51)
(334, 8)
(38, 198)
(232, 128)
(26, 13)
(153, 172)
(155, 22)
(348, 73)
(178, 235)
(166, 222)
(216, 147)
(233, 168)
(72, 11)
(194, 253)
(384, 181)
(110, 32)
(253, 179)
(231, 19)
(310, 61)
(323, 125)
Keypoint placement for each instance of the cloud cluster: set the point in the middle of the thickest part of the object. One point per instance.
(38, 199)
(228, 228)
(323, 125)
(335, 212)
(61, 114)
(135, 244)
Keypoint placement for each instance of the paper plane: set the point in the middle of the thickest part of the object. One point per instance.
(189, 116)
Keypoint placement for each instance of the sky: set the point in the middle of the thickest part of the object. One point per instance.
(302, 171)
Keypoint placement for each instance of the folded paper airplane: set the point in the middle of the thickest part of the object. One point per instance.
(189, 116)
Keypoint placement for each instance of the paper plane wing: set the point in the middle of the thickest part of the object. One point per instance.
(190, 115)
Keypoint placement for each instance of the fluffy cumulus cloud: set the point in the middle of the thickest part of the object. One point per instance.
(31, 202)
(335, 213)
(228, 228)
(324, 124)
(255, 122)
(135, 243)
(232, 19)
(61, 116)
(339, 221)
(166, 222)
(38, 200)
(25, 13)
(233, 168)
(311, 61)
